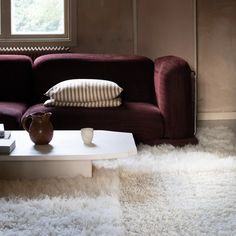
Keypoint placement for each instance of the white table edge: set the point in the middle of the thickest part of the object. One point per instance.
(78, 164)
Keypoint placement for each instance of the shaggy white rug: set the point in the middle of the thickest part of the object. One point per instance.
(162, 191)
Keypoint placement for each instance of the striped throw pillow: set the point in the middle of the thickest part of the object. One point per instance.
(84, 90)
(106, 103)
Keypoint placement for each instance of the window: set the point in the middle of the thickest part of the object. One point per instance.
(29, 21)
(47, 19)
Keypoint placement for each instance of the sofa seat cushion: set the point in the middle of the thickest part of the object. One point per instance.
(142, 119)
(11, 113)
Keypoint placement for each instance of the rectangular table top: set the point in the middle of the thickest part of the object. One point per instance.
(68, 145)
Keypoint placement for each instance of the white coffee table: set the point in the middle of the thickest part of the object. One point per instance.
(65, 156)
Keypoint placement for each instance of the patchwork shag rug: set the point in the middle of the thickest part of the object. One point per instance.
(162, 191)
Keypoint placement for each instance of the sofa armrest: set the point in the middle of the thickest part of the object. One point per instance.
(175, 96)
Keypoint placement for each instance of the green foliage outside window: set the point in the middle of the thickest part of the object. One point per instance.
(37, 16)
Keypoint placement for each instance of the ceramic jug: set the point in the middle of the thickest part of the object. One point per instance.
(39, 127)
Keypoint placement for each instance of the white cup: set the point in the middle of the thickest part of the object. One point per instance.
(87, 135)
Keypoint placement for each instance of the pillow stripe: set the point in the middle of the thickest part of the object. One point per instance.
(106, 103)
(82, 92)
(69, 94)
(99, 93)
(95, 93)
(113, 91)
(73, 91)
(76, 92)
(60, 95)
(102, 92)
(80, 96)
(90, 90)
(86, 91)
(107, 90)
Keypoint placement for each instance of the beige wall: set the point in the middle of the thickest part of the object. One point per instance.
(105, 26)
(166, 28)
(217, 55)
(160, 27)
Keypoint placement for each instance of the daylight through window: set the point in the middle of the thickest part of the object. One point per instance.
(36, 20)
(37, 17)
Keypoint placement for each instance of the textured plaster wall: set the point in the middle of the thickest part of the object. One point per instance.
(217, 55)
(105, 26)
(166, 27)
(163, 27)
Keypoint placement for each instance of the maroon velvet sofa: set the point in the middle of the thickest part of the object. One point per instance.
(157, 100)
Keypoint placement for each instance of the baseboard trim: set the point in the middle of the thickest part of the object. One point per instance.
(216, 116)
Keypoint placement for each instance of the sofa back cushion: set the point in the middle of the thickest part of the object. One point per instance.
(16, 78)
(132, 73)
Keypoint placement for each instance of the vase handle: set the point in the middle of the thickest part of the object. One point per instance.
(26, 121)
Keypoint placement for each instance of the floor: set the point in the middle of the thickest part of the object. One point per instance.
(212, 123)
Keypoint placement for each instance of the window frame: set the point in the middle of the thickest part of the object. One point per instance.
(66, 39)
